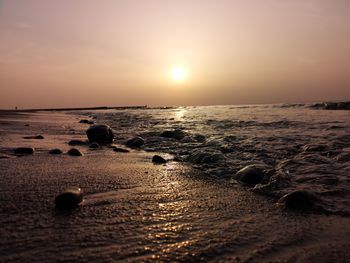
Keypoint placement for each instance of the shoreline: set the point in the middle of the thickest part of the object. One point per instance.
(135, 210)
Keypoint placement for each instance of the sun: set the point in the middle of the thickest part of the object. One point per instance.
(178, 74)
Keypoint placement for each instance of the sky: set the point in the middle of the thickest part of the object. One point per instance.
(86, 53)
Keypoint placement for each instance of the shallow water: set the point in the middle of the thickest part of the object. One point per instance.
(137, 211)
(303, 148)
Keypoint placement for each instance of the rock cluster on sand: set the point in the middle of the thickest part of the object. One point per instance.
(250, 175)
(158, 159)
(102, 134)
(135, 142)
(55, 151)
(76, 142)
(24, 150)
(74, 152)
(37, 137)
(299, 200)
(175, 134)
(69, 199)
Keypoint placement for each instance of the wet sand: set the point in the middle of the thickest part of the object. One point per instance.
(137, 211)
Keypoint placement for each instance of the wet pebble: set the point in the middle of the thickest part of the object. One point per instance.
(158, 159)
(74, 152)
(135, 142)
(69, 199)
(102, 134)
(4, 156)
(250, 175)
(175, 134)
(37, 137)
(55, 151)
(299, 200)
(24, 150)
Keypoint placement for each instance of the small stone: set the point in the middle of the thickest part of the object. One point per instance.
(75, 152)
(37, 137)
(84, 121)
(250, 175)
(94, 145)
(135, 142)
(55, 151)
(299, 200)
(69, 199)
(175, 134)
(24, 150)
(158, 159)
(91, 122)
(120, 150)
(4, 156)
(76, 142)
(102, 134)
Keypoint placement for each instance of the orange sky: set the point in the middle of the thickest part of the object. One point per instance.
(112, 53)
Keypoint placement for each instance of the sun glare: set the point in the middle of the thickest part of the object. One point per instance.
(178, 74)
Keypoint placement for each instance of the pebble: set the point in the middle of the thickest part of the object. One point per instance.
(135, 142)
(69, 199)
(101, 134)
(38, 137)
(158, 159)
(250, 175)
(24, 150)
(299, 200)
(55, 151)
(75, 152)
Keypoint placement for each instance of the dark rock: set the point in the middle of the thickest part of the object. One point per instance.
(91, 122)
(27, 125)
(102, 134)
(175, 134)
(76, 142)
(24, 150)
(69, 199)
(135, 142)
(94, 145)
(120, 150)
(75, 152)
(55, 151)
(299, 200)
(250, 175)
(5, 156)
(84, 121)
(38, 137)
(158, 159)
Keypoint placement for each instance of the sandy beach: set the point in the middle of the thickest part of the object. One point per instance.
(135, 210)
